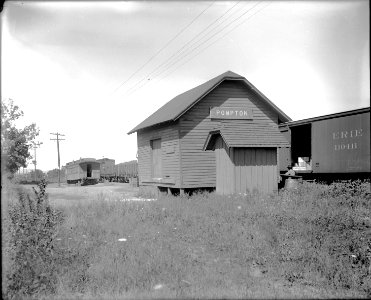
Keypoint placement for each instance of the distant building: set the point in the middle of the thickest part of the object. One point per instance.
(226, 113)
(83, 169)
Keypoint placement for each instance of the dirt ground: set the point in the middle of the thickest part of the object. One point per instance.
(69, 193)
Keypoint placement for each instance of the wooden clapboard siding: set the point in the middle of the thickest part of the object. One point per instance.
(198, 167)
(169, 136)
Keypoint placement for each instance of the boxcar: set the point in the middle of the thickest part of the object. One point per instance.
(107, 168)
(337, 145)
(84, 170)
(126, 170)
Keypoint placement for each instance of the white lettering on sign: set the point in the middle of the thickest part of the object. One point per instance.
(346, 134)
(231, 113)
(350, 146)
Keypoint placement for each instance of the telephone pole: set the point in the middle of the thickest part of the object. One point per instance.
(36, 145)
(59, 160)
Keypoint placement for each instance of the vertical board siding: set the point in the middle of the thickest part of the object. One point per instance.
(255, 168)
(169, 152)
(224, 168)
(199, 167)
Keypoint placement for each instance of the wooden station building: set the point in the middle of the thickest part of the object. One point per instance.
(226, 114)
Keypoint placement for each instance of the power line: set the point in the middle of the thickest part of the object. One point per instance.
(59, 160)
(168, 43)
(192, 50)
(217, 40)
(187, 44)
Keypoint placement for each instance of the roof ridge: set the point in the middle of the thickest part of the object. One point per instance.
(181, 103)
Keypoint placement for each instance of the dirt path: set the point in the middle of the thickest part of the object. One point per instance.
(72, 194)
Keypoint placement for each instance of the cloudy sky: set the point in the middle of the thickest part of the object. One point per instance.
(94, 70)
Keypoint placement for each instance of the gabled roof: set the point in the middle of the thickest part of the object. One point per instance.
(176, 107)
(248, 135)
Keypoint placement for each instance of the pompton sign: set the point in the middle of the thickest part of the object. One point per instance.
(241, 113)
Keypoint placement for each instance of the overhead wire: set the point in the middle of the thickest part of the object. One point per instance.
(167, 44)
(166, 62)
(192, 50)
(217, 40)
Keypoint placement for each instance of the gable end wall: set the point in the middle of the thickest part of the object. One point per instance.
(198, 166)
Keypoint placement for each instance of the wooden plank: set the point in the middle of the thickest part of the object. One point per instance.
(254, 170)
(219, 183)
(231, 178)
(248, 169)
(259, 175)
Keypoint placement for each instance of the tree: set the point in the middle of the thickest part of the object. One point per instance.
(52, 175)
(15, 143)
(39, 174)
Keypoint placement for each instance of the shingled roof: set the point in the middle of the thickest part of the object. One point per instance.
(176, 107)
(250, 135)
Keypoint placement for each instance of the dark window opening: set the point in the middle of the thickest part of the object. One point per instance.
(88, 170)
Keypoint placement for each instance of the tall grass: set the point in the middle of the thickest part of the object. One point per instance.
(325, 234)
(29, 250)
(211, 246)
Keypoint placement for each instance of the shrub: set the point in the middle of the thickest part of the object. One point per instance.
(325, 234)
(32, 227)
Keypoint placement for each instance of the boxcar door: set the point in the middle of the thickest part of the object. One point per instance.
(156, 159)
(88, 170)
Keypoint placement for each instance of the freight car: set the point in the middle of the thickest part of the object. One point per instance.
(127, 170)
(85, 171)
(121, 172)
(107, 169)
(329, 147)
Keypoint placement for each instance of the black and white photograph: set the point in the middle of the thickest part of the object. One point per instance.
(185, 149)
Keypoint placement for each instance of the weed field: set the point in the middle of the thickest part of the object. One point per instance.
(108, 242)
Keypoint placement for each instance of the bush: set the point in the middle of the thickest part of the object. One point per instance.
(325, 234)
(32, 225)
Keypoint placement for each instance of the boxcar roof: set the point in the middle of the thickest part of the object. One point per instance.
(326, 117)
(179, 105)
(251, 135)
(82, 160)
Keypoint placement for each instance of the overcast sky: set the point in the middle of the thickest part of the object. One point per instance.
(94, 70)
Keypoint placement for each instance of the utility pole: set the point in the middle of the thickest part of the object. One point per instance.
(36, 145)
(59, 159)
